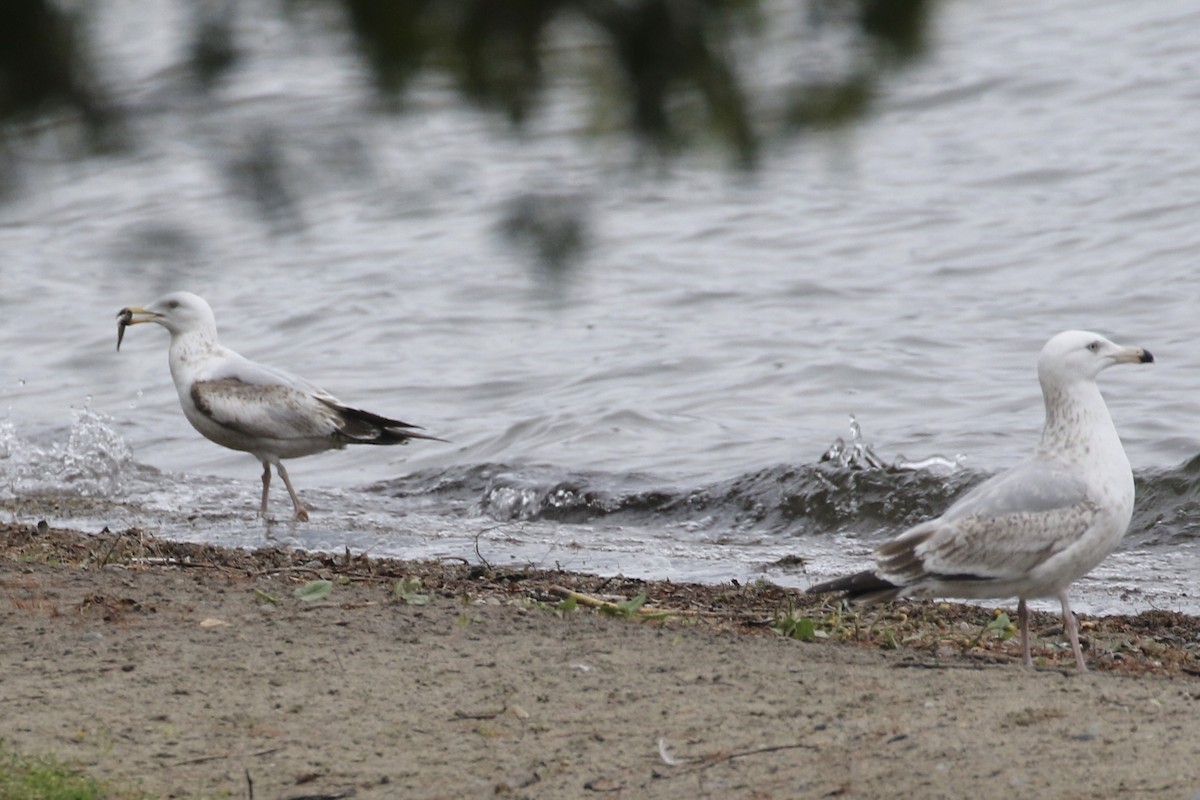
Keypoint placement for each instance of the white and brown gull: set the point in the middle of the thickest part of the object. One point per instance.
(247, 406)
(1030, 531)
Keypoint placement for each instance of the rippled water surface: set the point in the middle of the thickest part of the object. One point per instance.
(664, 410)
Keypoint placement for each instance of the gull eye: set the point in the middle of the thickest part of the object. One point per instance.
(1093, 347)
(173, 304)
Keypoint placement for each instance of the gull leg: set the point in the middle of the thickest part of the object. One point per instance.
(301, 512)
(1072, 630)
(1023, 621)
(266, 479)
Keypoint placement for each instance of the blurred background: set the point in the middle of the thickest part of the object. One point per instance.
(691, 287)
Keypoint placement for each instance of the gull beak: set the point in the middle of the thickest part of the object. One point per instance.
(134, 315)
(1133, 355)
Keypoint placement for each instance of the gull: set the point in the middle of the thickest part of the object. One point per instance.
(244, 405)
(1032, 530)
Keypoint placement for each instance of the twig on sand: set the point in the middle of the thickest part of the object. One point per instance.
(604, 785)
(280, 570)
(478, 554)
(710, 759)
(596, 602)
(205, 759)
(974, 665)
(460, 715)
(108, 553)
(320, 606)
(648, 611)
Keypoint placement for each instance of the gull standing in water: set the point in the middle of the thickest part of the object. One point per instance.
(1033, 529)
(243, 405)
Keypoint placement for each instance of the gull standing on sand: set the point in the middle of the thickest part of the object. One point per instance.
(1033, 529)
(243, 405)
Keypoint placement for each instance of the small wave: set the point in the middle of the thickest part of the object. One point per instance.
(575, 498)
(849, 487)
(1167, 510)
(799, 500)
(795, 500)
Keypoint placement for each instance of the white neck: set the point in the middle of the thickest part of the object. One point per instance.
(1078, 423)
(187, 348)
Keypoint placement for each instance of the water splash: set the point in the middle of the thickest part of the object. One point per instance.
(95, 455)
(8, 440)
(90, 463)
(934, 463)
(858, 454)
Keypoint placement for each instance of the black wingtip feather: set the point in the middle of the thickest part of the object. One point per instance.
(863, 586)
(393, 436)
(363, 427)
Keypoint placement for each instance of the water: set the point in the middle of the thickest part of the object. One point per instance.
(664, 411)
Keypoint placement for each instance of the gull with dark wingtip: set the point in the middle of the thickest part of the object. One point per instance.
(247, 406)
(1030, 531)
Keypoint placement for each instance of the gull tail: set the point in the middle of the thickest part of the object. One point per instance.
(861, 587)
(363, 427)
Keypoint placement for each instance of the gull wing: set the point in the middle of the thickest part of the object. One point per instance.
(363, 427)
(1032, 486)
(267, 411)
(1002, 529)
(233, 366)
(261, 401)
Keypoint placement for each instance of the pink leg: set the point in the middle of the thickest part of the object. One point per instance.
(301, 513)
(1023, 621)
(266, 479)
(1072, 630)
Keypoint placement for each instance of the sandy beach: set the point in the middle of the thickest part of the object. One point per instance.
(195, 672)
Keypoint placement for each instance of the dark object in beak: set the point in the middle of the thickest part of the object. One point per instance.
(123, 318)
(1147, 357)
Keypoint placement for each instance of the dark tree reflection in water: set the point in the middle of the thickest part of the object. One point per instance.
(670, 76)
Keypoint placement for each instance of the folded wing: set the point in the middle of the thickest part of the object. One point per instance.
(1000, 530)
(284, 412)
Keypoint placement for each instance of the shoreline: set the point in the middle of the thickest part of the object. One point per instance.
(192, 668)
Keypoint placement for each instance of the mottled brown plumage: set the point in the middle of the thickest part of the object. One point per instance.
(1033, 530)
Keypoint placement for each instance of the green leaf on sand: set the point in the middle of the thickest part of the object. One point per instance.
(313, 591)
(409, 591)
(625, 608)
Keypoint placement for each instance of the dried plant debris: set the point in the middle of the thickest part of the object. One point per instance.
(932, 633)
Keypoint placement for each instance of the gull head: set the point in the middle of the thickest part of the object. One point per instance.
(178, 312)
(1081, 355)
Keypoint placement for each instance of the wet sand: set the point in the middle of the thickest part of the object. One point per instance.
(196, 672)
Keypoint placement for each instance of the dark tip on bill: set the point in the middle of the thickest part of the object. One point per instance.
(123, 318)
